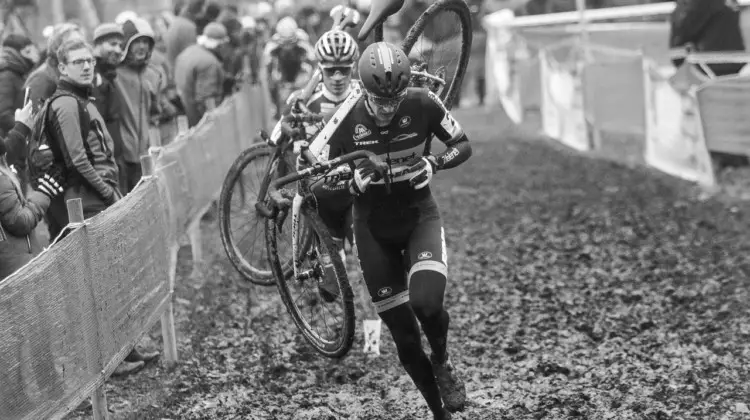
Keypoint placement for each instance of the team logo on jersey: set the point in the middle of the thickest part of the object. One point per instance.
(404, 136)
(360, 132)
(450, 126)
(366, 142)
(385, 291)
(404, 121)
(426, 255)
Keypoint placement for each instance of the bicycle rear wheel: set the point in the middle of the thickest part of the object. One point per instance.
(441, 40)
(240, 226)
(301, 293)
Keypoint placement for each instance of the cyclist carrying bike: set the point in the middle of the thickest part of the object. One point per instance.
(336, 52)
(399, 230)
(287, 59)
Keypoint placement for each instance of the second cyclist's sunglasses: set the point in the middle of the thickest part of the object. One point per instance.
(330, 71)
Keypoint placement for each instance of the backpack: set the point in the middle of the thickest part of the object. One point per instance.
(42, 150)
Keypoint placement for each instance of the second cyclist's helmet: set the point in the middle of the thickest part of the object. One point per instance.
(384, 70)
(336, 47)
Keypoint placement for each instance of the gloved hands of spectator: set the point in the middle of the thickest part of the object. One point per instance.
(26, 114)
(51, 183)
(421, 170)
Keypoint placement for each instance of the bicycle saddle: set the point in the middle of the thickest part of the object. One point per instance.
(379, 11)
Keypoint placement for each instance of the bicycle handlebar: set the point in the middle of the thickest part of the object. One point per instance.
(319, 168)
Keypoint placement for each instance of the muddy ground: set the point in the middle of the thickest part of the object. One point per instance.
(579, 289)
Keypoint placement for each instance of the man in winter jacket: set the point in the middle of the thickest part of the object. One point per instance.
(708, 26)
(76, 127)
(183, 32)
(139, 85)
(42, 82)
(17, 57)
(199, 72)
(108, 39)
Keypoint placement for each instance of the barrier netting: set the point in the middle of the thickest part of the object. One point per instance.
(69, 317)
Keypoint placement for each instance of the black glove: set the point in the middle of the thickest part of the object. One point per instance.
(51, 183)
(369, 169)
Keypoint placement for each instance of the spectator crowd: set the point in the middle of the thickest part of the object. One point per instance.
(77, 115)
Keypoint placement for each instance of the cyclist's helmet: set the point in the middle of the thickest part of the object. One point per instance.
(286, 30)
(384, 70)
(336, 47)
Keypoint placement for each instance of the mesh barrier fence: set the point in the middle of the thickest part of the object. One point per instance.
(68, 318)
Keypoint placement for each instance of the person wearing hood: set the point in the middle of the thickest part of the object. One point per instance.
(183, 32)
(42, 82)
(139, 86)
(18, 57)
(199, 72)
(108, 39)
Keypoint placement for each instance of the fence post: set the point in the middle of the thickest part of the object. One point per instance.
(182, 125)
(99, 396)
(154, 136)
(167, 317)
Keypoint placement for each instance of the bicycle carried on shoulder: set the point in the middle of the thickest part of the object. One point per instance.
(309, 251)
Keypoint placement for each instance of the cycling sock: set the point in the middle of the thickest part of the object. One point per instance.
(436, 330)
(405, 331)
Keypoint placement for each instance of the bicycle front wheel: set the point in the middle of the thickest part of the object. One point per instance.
(240, 225)
(318, 296)
(440, 41)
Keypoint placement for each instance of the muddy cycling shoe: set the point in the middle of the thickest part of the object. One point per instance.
(443, 415)
(452, 389)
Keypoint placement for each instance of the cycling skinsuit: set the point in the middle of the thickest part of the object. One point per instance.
(401, 231)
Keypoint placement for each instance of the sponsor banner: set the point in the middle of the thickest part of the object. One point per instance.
(674, 132)
(723, 104)
(501, 68)
(562, 109)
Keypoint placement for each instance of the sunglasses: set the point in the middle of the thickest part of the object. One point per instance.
(381, 102)
(331, 71)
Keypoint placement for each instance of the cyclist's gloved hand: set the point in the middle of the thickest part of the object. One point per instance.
(421, 170)
(366, 172)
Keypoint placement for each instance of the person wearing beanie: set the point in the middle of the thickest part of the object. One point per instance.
(210, 14)
(42, 82)
(199, 72)
(183, 32)
(108, 41)
(138, 85)
(18, 56)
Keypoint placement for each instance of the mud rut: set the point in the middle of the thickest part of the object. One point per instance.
(578, 289)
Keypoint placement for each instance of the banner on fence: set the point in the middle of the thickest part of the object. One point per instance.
(562, 109)
(674, 134)
(724, 105)
(501, 68)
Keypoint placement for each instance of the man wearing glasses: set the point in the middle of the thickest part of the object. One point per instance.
(403, 222)
(336, 52)
(80, 134)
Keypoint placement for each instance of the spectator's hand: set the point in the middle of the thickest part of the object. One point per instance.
(51, 183)
(26, 115)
